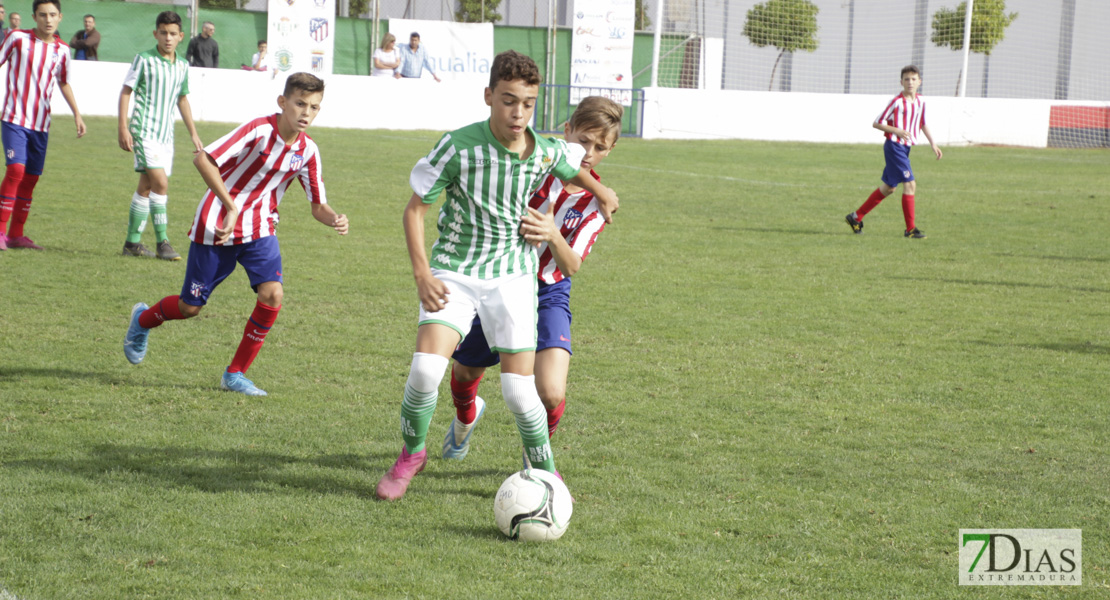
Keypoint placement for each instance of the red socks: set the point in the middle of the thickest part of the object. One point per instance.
(22, 204)
(8, 189)
(907, 210)
(166, 309)
(262, 319)
(553, 416)
(872, 201)
(463, 394)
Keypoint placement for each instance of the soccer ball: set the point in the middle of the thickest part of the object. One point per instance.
(533, 505)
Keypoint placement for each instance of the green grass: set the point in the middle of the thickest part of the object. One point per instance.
(761, 404)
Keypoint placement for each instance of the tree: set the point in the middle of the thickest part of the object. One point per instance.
(989, 21)
(643, 21)
(471, 11)
(789, 25)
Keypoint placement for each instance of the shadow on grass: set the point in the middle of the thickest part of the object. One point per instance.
(1011, 284)
(1058, 258)
(777, 230)
(1077, 348)
(220, 471)
(16, 373)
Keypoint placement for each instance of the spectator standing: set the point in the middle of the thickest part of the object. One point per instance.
(13, 21)
(203, 50)
(414, 59)
(86, 41)
(387, 58)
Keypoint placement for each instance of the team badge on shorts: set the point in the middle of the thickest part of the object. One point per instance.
(197, 289)
(296, 162)
(906, 174)
(572, 219)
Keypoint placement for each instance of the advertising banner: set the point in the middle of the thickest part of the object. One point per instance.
(455, 51)
(601, 50)
(301, 36)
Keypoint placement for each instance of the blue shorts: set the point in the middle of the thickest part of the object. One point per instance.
(897, 163)
(553, 328)
(24, 146)
(210, 265)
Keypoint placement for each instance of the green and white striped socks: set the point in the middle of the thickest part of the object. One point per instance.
(158, 216)
(136, 222)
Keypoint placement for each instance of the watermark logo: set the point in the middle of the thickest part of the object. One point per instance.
(1021, 557)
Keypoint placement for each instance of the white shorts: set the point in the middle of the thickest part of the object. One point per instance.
(506, 305)
(152, 154)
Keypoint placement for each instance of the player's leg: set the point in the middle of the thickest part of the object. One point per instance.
(909, 188)
(139, 214)
(890, 179)
(36, 159)
(436, 338)
(206, 268)
(159, 162)
(15, 158)
(553, 350)
(509, 319)
(472, 356)
(261, 259)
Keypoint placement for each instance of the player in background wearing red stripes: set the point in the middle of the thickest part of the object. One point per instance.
(901, 121)
(36, 58)
(247, 172)
(563, 221)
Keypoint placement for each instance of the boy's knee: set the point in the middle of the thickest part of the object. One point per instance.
(15, 171)
(466, 374)
(189, 310)
(426, 371)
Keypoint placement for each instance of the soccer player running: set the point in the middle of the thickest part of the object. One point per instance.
(902, 119)
(159, 79)
(36, 58)
(564, 221)
(481, 264)
(247, 172)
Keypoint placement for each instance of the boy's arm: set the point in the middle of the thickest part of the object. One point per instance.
(431, 291)
(186, 111)
(538, 227)
(67, 93)
(902, 133)
(929, 136)
(125, 141)
(326, 215)
(210, 173)
(607, 200)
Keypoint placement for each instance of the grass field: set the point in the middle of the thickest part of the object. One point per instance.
(761, 404)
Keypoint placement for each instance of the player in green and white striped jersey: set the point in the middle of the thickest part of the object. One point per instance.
(486, 173)
(159, 79)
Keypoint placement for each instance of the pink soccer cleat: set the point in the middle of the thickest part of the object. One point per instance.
(396, 480)
(3, 241)
(23, 242)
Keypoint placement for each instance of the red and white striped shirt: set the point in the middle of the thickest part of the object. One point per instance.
(33, 66)
(904, 114)
(578, 218)
(257, 166)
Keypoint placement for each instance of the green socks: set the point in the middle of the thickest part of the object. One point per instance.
(136, 222)
(158, 216)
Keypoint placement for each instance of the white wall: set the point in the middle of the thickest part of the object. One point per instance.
(360, 102)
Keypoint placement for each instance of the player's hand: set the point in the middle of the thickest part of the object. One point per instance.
(125, 141)
(539, 227)
(340, 225)
(902, 133)
(432, 292)
(80, 125)
(198, 146)
(936, 150)
(223, 234)
(607, 204)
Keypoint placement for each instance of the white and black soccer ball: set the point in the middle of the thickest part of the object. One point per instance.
(533, 505)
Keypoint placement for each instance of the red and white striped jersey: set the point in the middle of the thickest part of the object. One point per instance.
(257, 166)
(578, 219)
(904, 114)
(33, 66)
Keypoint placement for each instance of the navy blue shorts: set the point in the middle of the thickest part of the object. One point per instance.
(24, 146)
(209, 265)
(553, 328)
(897, 163)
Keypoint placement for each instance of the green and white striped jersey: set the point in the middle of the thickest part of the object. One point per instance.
(157, 84)
(486, 190)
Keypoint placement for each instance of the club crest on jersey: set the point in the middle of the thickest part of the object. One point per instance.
(296, 162)
(572, 219)
(318, 29)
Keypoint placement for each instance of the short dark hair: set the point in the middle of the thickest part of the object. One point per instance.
(35, 6)
(909, 69)
(511, 65)
(88, 17)
(260, 42)
(305, 82)
(414, 35)
(168, 17)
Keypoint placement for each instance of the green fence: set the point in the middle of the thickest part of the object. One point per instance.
(126, 29)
